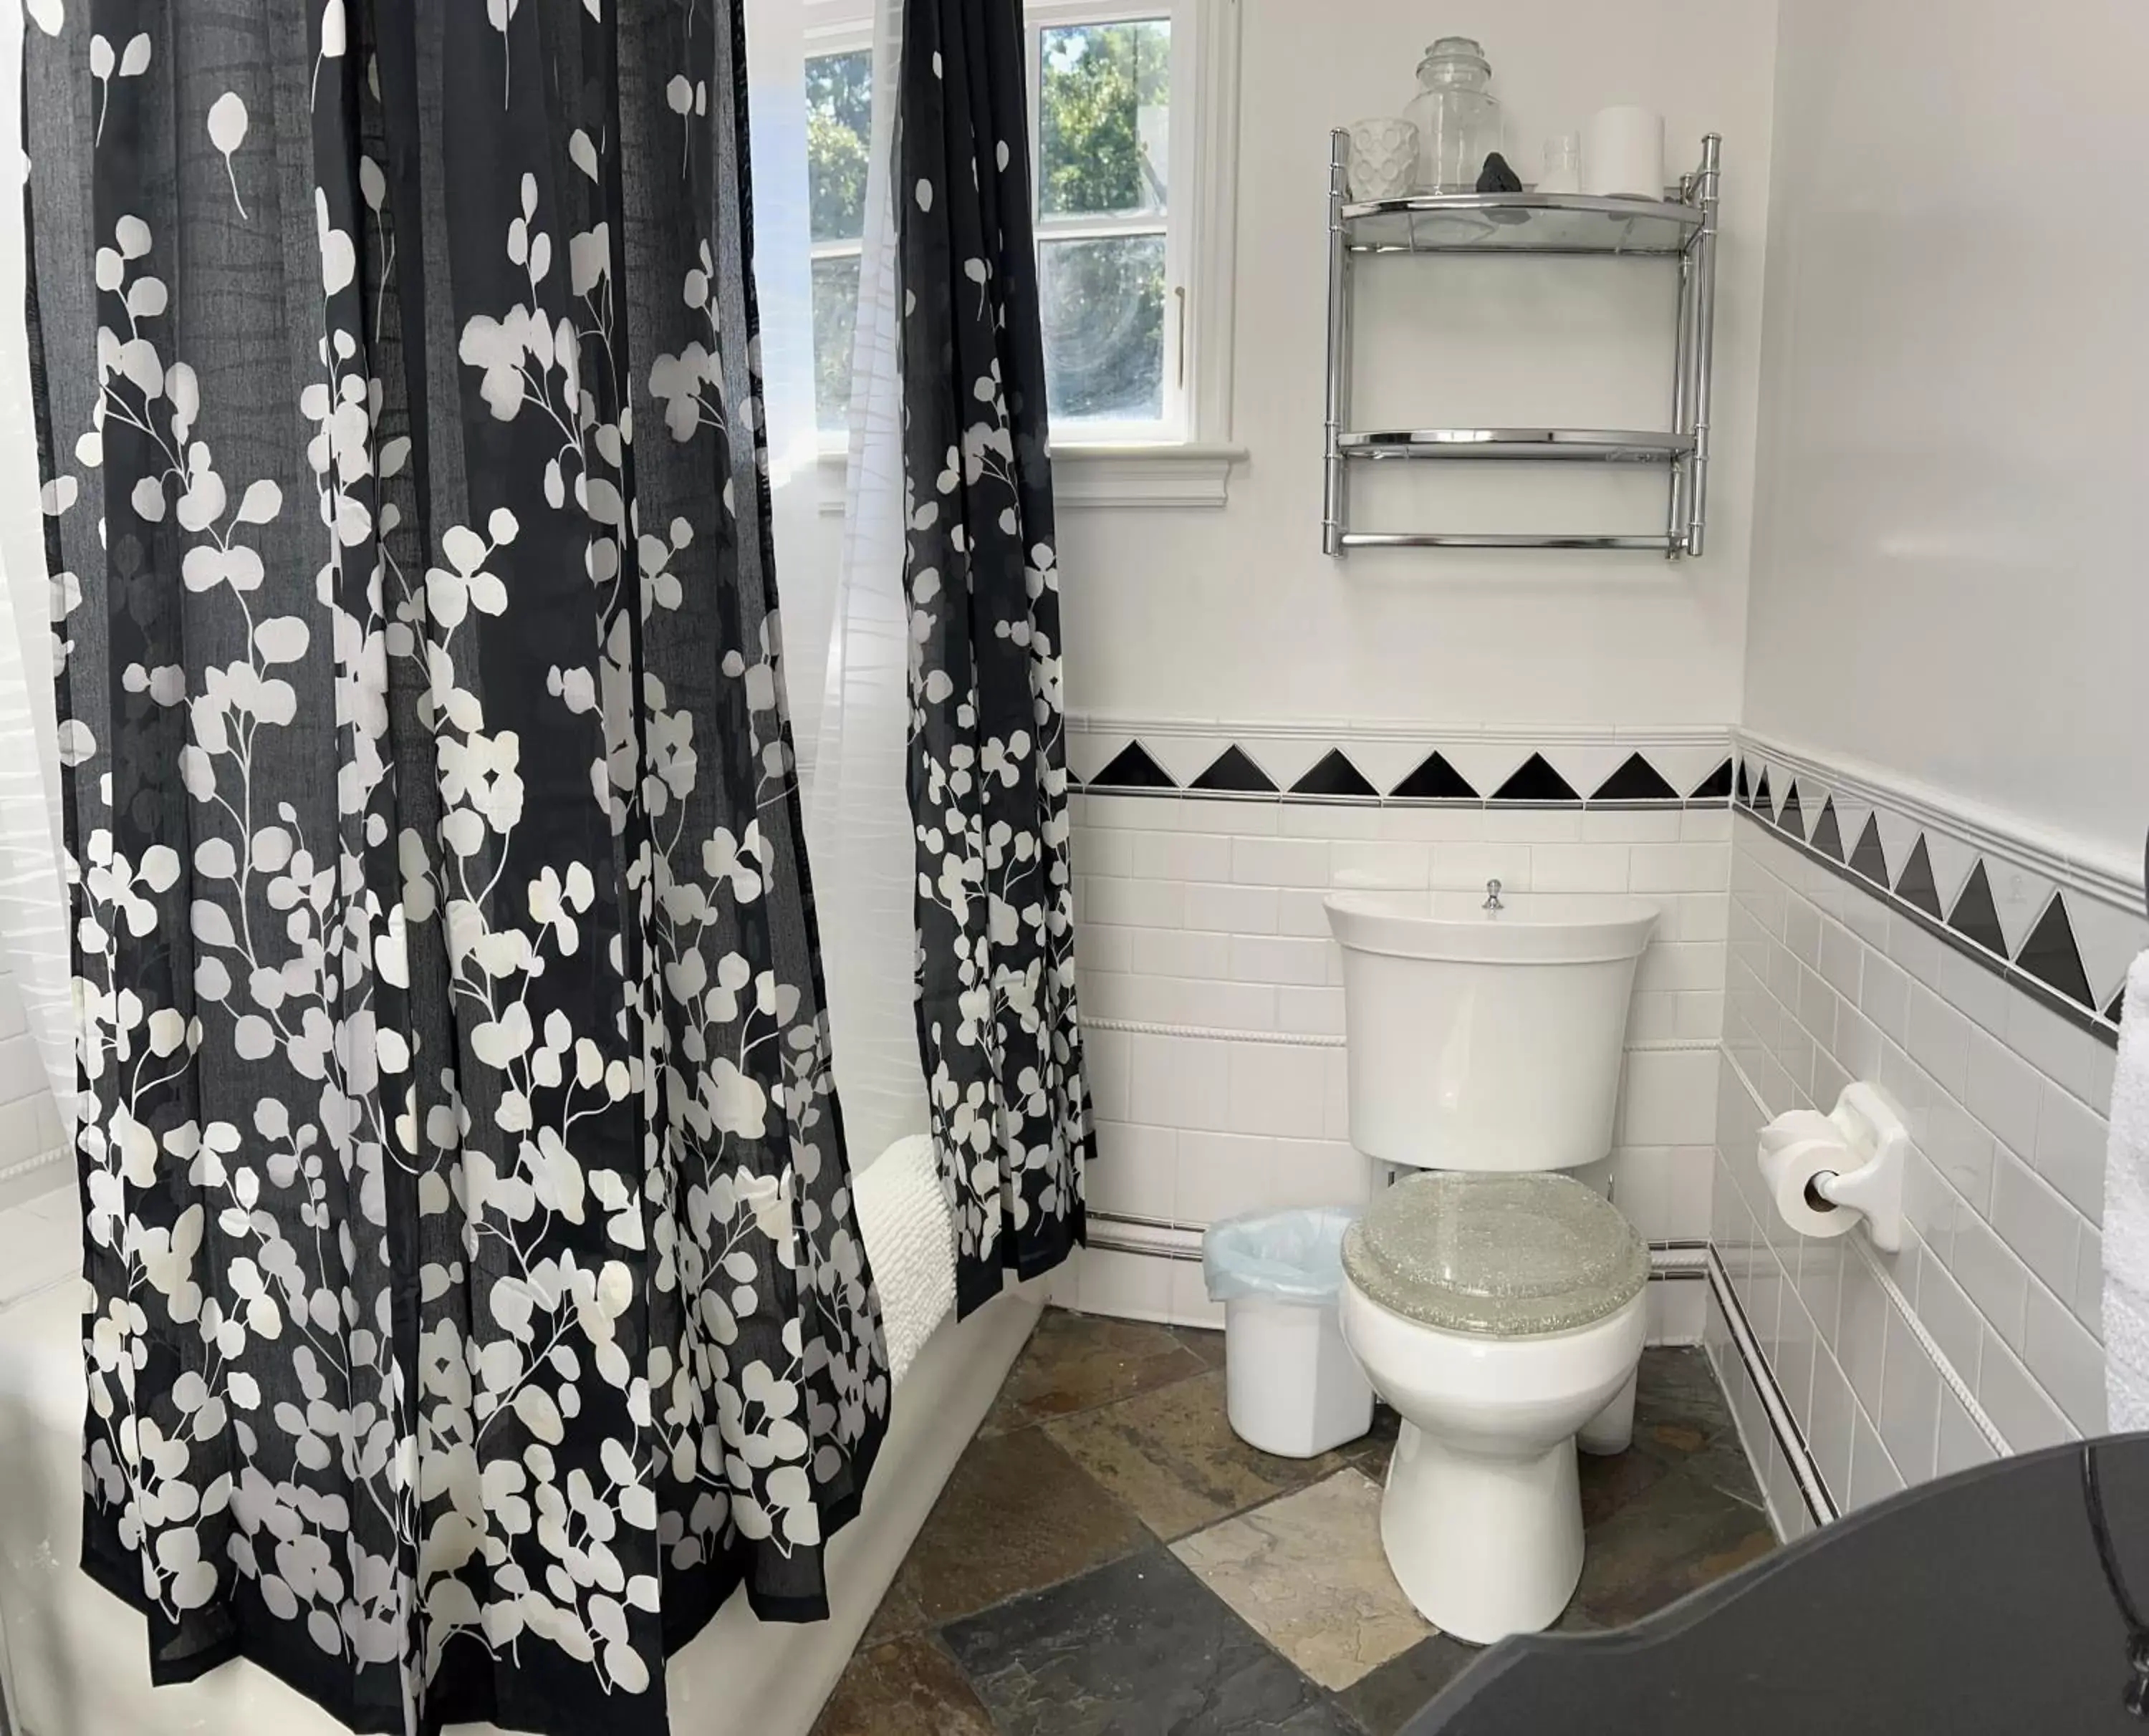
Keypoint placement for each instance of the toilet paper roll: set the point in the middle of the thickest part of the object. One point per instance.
(1622, 153)
(1795, 1126)
(1789, 1170)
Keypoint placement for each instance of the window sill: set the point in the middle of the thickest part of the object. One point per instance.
(1191, 473)
(1188, 473)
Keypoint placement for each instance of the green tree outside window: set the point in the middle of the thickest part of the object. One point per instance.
(838, 132)
(1095, 83)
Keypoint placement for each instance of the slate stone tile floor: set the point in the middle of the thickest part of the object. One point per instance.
(1108, 1559)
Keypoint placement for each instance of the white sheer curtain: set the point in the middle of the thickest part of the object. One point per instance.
(857, 812)
(34, 920)
(845, 666)
(805, 542)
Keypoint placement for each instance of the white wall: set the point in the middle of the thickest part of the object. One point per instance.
(1946, 563)
(1945, 612)
(1236, 613)
(29, 1121)
(2001, 1266)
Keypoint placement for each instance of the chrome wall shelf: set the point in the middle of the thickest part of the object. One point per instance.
(1555, 223)
(1500, 540)
(1613, 445)
(1683, 229)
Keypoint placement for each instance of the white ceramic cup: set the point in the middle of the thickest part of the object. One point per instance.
(1622, 153)
(1383, 158)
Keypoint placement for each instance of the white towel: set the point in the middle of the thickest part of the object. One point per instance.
(2127, 1216)
(910, 1239)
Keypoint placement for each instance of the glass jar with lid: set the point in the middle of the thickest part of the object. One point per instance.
(1457, 115)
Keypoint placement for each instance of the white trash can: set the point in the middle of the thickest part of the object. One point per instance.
(1291, 1385)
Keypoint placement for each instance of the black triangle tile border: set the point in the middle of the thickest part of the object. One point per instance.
(1333, 778)
(1131, 769)
(1714, 787)
(1435, 780)
(2048, 966)
(1976, 918)
(1234, 771)
(1791, 817)
(1868, 859)
(1915, 885)
(2052, 956)
(1635, 781)
(1828, 832)
(1534, 781)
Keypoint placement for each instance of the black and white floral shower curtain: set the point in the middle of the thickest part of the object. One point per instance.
(476, 1302)
(997, 1022)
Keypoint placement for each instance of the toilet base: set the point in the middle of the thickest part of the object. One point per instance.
(1612, 1429)
(1482, 1546)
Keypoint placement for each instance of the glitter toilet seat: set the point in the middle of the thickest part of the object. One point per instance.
(1509, 1256)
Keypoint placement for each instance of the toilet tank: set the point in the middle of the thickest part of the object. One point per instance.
(1486, 1040)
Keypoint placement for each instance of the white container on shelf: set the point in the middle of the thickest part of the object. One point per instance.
(1622, 153)
(1562, 164)
(1383, 158)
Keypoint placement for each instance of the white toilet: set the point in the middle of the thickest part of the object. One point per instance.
(1497, 1304)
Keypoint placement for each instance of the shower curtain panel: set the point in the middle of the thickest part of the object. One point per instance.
(997, 1022)
(476, 1302)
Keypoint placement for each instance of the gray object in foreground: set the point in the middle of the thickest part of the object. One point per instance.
(2008, 1599)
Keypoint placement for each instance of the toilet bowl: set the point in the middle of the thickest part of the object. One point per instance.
(1494, 1302)
(1498, 1315)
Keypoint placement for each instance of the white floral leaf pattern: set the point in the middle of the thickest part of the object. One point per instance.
(475, 1303)
(998, 1029)
(227, 132)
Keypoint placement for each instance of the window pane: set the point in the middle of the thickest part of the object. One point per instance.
(1104, 328)
(839, 134)
(1103, 95)
(835, 320)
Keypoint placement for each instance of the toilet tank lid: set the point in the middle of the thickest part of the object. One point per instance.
(1526, 928)
(1507, 1255)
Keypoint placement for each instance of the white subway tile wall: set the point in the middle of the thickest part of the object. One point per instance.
(1204, 911)
(29, 1122)
(1788, 1511)
(2000, 1267)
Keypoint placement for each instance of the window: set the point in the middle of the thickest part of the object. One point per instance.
(1101, 143)
(839, 137)
(1133, 115)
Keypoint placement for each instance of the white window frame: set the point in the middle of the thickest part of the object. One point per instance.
(1187, 458)
(1170, 426)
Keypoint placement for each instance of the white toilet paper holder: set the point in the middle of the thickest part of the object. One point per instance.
(1869, 1131)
